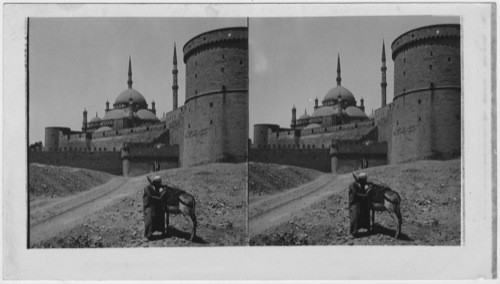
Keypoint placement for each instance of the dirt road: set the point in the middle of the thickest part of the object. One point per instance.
(268, 211)
(49, 219)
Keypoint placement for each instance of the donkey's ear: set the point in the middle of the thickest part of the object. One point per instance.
(355, 177)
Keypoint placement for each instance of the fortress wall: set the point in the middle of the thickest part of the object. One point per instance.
(52, 136)
(216, 115)
(318, 159)
(324, 140)
(175, 124)
(281, 139)
(109, 162)
(426, 120)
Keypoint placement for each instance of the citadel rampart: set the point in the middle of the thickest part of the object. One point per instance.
(427, 88)
(109, 162)
(216, 115)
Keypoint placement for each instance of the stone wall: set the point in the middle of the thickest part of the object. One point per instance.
(260, 134)
(318, 159)
(109, 162)
(52, 135)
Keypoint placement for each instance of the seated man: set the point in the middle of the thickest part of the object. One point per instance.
(154, 216)
(359, 210)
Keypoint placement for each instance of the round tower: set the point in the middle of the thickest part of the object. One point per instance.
(52, 137)
(216, 116)
(427, 94)
(260, 134)
(294, 117)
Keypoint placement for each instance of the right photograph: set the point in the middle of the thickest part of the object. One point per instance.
(355, 131)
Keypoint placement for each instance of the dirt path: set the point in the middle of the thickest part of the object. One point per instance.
(51, 218)
(269, 211)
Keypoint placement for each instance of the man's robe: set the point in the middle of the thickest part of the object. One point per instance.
(359, 210)
(154, 216)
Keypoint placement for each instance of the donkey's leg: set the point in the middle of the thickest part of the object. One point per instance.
(372, 221)
(167, 221)
(396, 222)
(192, 214)
(400, 220)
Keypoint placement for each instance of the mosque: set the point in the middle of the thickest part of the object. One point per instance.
(422, 122)
(211, 126)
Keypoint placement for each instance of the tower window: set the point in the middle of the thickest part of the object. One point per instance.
(430, 67)
(458, 117)
(196, 63)
(419, 101)
(412, 35)
(222, 56)
(196, 76)
(419, 119)
(189, 125)
(211, 122)
(397, 122)
(404, 73)
(431, 53)
(449, 59)
(241, 62)
(404, 60)
(222, 70)
(131, 130)
(204, 38)
(195, 92)
(211, 104)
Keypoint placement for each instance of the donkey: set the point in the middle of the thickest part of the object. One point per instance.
(382, 198)
(176, 201)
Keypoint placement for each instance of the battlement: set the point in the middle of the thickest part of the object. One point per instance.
(423, 34)
(336, 128)
(236, 35)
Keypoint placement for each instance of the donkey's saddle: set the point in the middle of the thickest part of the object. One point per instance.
(171, 195)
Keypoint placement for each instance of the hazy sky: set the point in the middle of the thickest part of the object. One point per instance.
(294, 60)
(78, 63)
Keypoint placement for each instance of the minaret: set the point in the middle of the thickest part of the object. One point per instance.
(362, 106)
(107, 107)
(153, 109)
(383, 85)
(339, 79)
(294, 117)
(174, 72)
(84, 123)
(129, 82)
(316, 103)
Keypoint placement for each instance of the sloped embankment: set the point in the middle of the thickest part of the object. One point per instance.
(272, 178)
(56, 181)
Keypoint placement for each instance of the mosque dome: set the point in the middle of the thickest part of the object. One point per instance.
(305, 116)
(145, 114)
(103, 129)
(345, 95)
(125, 96)
(355, 112)
(324, 111)
(114, 114)
(95, 119)
(163, 119)
(312, 125)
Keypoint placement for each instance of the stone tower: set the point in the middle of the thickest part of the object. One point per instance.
(426, 122)
(175, 87)
(84, 123)
(383, 84)
(216, 106)
(294, 117)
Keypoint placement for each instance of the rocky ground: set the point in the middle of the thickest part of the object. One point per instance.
(431, 209)
(47, 181)
(272, 178)
(221, 205)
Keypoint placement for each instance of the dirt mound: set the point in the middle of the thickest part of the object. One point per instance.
(221, 206)
(430, 193)
(273, 178)
(55, 181)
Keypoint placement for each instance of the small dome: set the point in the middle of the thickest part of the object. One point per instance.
(124, 97)
(312, 125)
(305, 116)
(333, 95)
(95, 119)
(324, 111)
(103, 129)
(114, 114)
(163, 119)
(355, 112)
(145, 114)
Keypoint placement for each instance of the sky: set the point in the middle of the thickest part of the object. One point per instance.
(294, 60)
(78, 63)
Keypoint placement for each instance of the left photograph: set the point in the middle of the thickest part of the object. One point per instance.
(137, 132)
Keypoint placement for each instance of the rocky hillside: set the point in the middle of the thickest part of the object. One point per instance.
(55, 181)
(431, 209)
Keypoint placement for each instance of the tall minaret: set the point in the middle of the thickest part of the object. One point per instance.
(129, 82)
(174, 72)
(338, 71)
(84, 123)
(294, 117)
(316, 103)
(383, 85)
